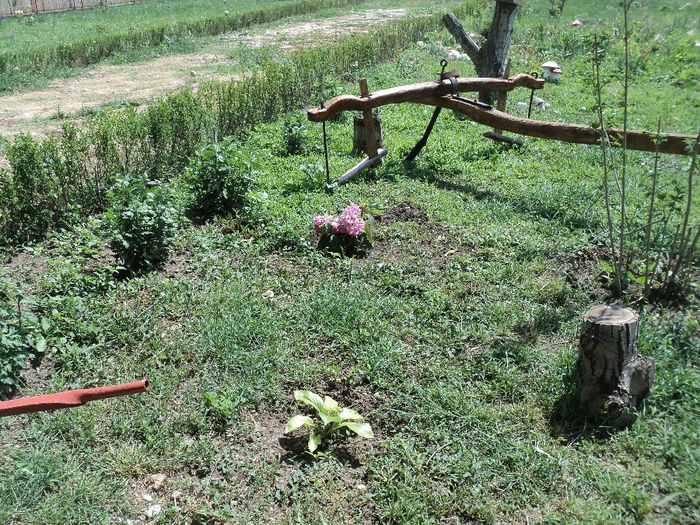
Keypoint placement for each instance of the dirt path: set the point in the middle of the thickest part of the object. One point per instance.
(43, 110)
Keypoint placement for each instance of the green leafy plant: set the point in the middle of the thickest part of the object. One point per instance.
(23, 336)
(295, 135)
(222, 406)
(219, 178)
(668, 227)
(334, 420)
(142, 221)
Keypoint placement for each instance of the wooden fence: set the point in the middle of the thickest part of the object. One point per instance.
(26, 7)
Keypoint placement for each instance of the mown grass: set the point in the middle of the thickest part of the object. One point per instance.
(80, 38)
(456, 337)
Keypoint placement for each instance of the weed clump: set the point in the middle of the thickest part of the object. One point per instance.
(218, 179)
(295, 135)
(142, 221)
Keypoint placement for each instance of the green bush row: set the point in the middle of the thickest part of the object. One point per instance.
(52, 183)
(90, 51)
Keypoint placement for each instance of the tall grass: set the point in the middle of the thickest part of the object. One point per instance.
(86, 51)
(160, 140)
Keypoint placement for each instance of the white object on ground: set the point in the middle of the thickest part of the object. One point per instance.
(551, 71)
(152, 511)
(158, 480)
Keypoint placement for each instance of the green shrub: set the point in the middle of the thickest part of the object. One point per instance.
(295, 135)
(49, 184)
(31, 190)
(218, 179)
(13, 351)
(142, 220)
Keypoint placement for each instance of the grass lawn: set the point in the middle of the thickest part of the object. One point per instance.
(456, 336)
(34, 63)
(78, 38)
(71, 26)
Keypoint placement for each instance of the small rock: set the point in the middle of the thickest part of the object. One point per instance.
(269, 294)
(152, 511)
(158, 480)
(576, 23)
(193, 73)
(453, 54)
(361, 486)
(420, 43)
(521, 106)
(147, 496)
(537, 101)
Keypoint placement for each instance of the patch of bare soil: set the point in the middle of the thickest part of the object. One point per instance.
(432, 241)
(582, 271)
(136, 82)
(314, 32)
(402, 212)
(40, 111)
(23, 269)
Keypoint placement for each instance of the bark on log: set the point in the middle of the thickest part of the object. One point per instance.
(359, 141)
(673, 143)
(490, 58)
(413, 92)
(612, 378)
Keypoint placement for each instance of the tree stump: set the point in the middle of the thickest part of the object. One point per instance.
(359, 142)
(613, 379)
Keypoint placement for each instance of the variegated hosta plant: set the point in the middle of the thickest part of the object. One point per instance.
(334, 419)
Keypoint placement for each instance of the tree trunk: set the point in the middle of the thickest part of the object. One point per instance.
(613, 379)
(490, 59)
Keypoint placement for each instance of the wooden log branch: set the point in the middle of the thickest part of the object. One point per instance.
(414, 92)
(456, 29)
(613, 379)
(576, 133)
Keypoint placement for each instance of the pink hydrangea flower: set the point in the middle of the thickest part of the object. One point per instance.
(321, 220)
(351, 222)
(356, 227)
(351, 212)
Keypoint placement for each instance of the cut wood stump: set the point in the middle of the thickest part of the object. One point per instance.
(359, 141)
(613, 379)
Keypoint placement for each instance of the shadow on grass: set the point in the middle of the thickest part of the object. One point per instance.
(429, 172)
(295, 448)
(568, 423)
